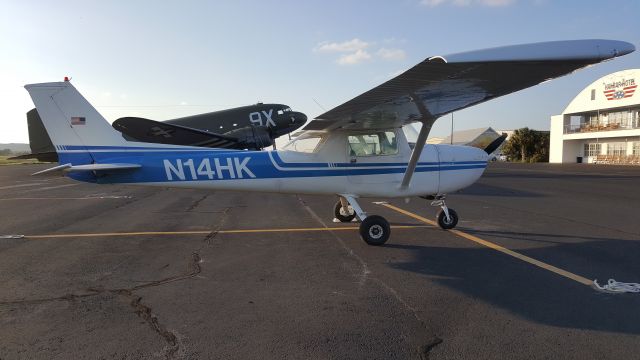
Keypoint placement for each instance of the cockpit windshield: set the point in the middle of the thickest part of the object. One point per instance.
(283, 111)
(306, 144)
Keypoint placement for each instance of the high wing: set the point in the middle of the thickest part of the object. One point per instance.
(443, 84)
(151, 131)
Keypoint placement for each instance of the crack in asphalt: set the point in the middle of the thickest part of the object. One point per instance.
(197, 203)
(208, 240)
(426, 349)
(194, 265)
(144, 311)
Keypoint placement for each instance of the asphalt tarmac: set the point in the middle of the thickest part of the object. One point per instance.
(124, 272)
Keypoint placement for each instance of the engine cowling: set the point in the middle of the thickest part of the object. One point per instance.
(253, 137)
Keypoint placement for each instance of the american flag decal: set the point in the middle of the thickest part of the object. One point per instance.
(620, 90)
(76, 120)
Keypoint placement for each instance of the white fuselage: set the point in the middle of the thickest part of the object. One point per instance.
(329, 169)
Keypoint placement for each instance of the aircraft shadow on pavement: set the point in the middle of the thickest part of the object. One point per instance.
(542, 238)
(531, 292)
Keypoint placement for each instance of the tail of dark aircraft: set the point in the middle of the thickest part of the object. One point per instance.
(39, 141)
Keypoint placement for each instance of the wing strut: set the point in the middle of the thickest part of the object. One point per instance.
(415, 155)
(427, 123)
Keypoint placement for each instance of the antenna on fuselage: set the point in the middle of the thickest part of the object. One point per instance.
(320, 106)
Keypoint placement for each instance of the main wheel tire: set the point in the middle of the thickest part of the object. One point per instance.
(342, 215)
(447, 224)
(375, 230)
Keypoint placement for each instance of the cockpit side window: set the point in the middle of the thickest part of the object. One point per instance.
(372, 144)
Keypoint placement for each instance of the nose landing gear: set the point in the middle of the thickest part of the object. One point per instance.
(343, 211)
(446, 218)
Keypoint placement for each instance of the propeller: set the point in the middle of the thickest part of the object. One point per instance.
(495, 144)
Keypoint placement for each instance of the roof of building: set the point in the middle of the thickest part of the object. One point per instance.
(435, 140)
(618, 89)
(472, 137)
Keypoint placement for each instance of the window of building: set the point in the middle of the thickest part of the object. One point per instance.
(620, 118)
(636, 148)
(379, 143)
(619, 148)
(593, 94)
(592, 149)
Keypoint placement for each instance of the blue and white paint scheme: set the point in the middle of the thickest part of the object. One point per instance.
(354, 150)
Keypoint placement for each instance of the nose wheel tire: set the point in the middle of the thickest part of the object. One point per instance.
(375, 230)
(447, 223)
(342, 215)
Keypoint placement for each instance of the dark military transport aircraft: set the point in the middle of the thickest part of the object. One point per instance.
(248, 127)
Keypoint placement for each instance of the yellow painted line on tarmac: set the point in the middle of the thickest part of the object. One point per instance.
(57, 198)
(139, 233)
(499, 248)
(19, 186)
(202, 232)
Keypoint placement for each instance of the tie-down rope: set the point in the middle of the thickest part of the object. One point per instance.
(617, 287)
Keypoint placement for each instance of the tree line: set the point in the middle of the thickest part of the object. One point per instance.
(527, 145)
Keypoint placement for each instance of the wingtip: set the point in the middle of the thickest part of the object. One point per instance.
(587, 49)
(624, 48)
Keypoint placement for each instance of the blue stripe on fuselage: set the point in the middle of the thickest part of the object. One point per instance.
(221, 164)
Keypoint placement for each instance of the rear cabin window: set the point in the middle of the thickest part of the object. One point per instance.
(372, 144)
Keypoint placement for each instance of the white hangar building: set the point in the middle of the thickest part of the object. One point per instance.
(601, 124)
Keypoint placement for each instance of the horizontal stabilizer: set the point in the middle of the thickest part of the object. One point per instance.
(89, 167)
(103, 167)
(55, 168)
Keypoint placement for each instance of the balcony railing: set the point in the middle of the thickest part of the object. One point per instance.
(617, 159)
(581, 128)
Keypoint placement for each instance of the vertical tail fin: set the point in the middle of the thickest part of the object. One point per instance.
(78, 132)
(69, 118)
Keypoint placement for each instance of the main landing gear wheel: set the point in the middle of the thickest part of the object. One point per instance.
(449, 223)
(375, 230)
(342, 215)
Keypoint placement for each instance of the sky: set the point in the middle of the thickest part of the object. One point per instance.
(167, 59)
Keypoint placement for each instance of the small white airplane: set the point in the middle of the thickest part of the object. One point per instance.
(354, 150)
